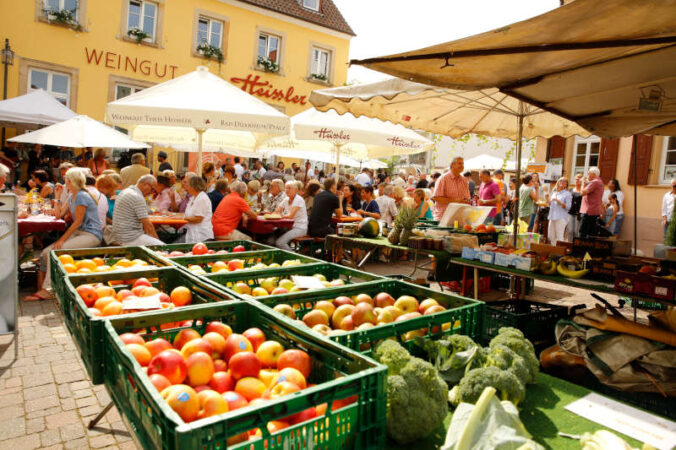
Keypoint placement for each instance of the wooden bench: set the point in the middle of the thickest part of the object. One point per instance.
(308, 245)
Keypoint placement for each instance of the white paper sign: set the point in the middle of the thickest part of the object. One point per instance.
(307, 282)
(640, 425)
(150, 302)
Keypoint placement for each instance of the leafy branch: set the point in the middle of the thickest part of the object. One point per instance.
(319, 76)
(67, 17)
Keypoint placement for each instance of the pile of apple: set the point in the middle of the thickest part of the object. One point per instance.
(237, 264)
(362, 311)
(200, 249)
(205, 375)
(275, 286)
(102, 300)
(98, 265)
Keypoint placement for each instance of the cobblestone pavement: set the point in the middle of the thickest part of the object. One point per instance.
(46, 399)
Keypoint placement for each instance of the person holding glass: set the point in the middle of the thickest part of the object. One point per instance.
(560, 201)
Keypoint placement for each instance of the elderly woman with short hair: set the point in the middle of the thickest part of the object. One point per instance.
(84, 232)
(253, 193)
(292, 207)
(198, 213)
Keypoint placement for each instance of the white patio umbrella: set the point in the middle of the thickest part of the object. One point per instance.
(33, 109)
(325, 157)
(347, 135)
(196, 109)
(79, 132)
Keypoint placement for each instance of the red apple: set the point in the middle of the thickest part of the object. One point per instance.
(268, 353)
(244, 364)
(88, 294)
(342, 300)
(236, 343)
(384, 299)
(219, 327)
(363, 313)
(297, 359)
(235, 400)
(364, 298)
(292, 375)
(281, 389)
(255, 336)
(235, 264)
(211, 404)
(158, 345)
(200, 368)
(185, 336)
(250, 388)
(132, 338)
(239, 248)
(222, 382)
(217, 343)
(199, 249)
(171, 364)
(220, 365)
(141, 282)
(196, 345)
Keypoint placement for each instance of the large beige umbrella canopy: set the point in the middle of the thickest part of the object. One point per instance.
(360, 138)
(609, 65)
(196, 109)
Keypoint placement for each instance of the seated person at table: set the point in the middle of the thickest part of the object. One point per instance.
(100, 199)
(40, 179)
(107, 186)
(422, 207)
(198, 213)
(325, 205)
(131, 224)
(311, 190)
(84, 232)
(386, 204)
(215, 196)
(4, 173)
(184, 191)
(229, 212)
(275, 196)
(165, 198)
(351, 199)
(253, 194)
(369, 207)
(293, 207)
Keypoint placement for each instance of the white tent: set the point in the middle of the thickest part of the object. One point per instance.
(196, 109)
(79, 132)
(324, 157)
(33, 109)
(492, 163)
(360, 138)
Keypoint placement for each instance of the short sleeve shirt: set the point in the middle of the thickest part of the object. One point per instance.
(591, 203)
(130, 209)
(228, 214)
(90, 222)
(323, 207)
(488, 191)
(371, 207)
(199, 206)
(448, 185)
(300, 219)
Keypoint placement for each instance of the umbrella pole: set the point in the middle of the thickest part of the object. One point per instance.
(200, 132)
(519, 136)
(337, 162)
(635, 197)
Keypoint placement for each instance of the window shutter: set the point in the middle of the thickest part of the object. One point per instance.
(608, 158)
(556, 147)
(643, 146)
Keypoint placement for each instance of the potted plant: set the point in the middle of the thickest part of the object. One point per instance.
(138, 34)
(318, 76)
(210, 51)
(267, 64)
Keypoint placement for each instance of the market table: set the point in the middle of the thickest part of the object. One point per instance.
(543, 413)
(340, 249)
(581, 283)
(346, 219)
(40, 223)
(174, 222)
(260, 225)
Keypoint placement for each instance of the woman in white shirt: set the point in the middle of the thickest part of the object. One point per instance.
(560, 201)
(614, 188)
(292, 207)
(198, 212)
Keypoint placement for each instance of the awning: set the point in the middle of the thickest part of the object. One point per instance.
(591, 61)
(33, 109)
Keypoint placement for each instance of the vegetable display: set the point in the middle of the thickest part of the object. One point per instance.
(417, 397)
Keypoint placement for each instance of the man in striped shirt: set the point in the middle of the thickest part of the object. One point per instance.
(451, 187)
(131, 225)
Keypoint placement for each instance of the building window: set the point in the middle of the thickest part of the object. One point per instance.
(321, 61)
(311, 4)
(210, 31)
(123, 90)
(268, 47)
(62, 5)
(668, 165)
(57, 84)
(586, 155)
(142, 15)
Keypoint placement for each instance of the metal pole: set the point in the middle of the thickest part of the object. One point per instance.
(4, 89)
(635, 197)
(517, 184)
(200, 131)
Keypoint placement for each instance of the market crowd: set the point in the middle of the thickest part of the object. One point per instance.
(107, 207)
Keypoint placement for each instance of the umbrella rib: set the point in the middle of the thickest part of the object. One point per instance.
(470, 103)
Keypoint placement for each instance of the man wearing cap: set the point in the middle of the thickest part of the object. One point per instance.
(164, 164)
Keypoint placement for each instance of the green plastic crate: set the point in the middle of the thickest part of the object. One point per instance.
(87, 329)
(331, 271)
(250, 259)
(109, 254)
(360, 425)
(462, 316)
(211, 245)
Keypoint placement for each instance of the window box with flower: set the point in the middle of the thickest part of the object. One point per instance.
(65, 17)
(139, 35)
(267, 64)
(319, 77)
(210, 51)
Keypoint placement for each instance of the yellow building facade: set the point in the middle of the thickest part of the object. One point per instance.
(87, 53)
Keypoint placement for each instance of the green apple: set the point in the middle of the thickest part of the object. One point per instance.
(319, 276)
(269, 284)
(286, 284)
(259, 292)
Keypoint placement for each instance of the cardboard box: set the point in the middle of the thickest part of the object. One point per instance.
(547, 250)
(522, 240)
(524, 263)
(504, 260)
(468, 253)
(486, 257)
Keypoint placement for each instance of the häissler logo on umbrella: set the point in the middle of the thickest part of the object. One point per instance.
(405, 143)
(325, 133)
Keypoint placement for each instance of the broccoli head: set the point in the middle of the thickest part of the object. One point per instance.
(509, 337)
(392, 354)
(459, 342)
(417, 397)
(504, 381)
(505, 358)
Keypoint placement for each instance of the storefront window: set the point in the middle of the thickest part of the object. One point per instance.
(668, 165)
(587, 153)
(57, 84)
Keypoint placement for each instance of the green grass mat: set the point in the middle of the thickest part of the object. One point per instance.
(542, 413)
